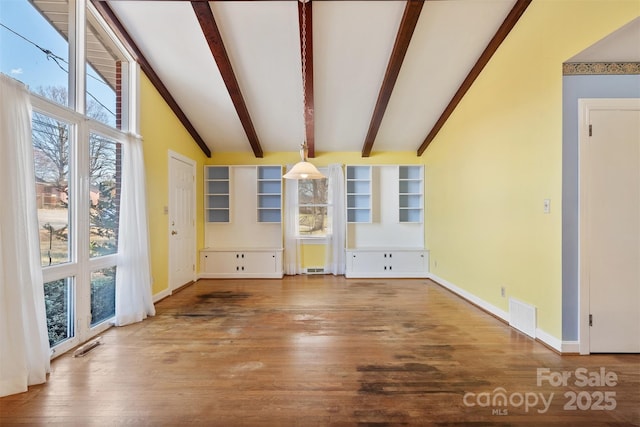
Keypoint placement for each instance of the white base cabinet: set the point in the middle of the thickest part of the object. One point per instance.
(236, 263)
(372, 263)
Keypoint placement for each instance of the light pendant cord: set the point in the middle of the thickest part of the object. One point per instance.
(304, 70)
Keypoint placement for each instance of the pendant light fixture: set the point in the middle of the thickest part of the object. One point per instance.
(303, 169)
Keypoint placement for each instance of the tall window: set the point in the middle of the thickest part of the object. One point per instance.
(78, 114)
(314, 219)
(76, 271)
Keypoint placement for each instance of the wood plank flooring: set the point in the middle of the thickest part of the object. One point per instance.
(320, 351)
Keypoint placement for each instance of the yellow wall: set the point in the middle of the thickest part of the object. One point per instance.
(162, 131)
(313, 255)
(500, 155)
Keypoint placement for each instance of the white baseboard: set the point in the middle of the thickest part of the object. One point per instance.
(549, 340)
(161, 295)
(498, 312)
(571, 347)
(546, 338)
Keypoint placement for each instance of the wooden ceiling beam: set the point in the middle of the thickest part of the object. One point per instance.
(309, 109)
(214, 40)
(112, 20)
(507, 25)
(403, 38)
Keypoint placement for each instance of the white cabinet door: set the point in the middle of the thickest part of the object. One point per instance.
(366, 263)
(387, 263)
(259, 262)
(217, 262)
(407, 262)
(241, 264)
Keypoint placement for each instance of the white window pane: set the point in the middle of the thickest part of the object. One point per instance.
(104, 195)
(103, 295)
(51, 165)
(35, 48)
(58, 298)
(103, 79)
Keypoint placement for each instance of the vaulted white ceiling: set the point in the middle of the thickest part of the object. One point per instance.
(351, 44)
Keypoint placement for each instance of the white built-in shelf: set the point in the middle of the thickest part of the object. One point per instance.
(269, 193)
(216, 197)
(359, 194)
(410, 194)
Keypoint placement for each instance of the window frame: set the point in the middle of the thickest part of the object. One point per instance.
(80, 266)
(308, 238)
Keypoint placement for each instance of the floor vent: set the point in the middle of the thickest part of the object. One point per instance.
(314, 270)
(522, 316)
(81, 351)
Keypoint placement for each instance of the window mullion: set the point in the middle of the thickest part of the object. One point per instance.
(77, 43)
(81, 210)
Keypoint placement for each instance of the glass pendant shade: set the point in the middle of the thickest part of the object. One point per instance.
(304, 170)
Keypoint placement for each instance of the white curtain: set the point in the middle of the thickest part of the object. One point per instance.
(24, 342)
(335, 251)
(292, 248)
(133, 274)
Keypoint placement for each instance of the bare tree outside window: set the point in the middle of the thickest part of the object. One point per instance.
(52, 144)
(51, 165)
(313, 213)
(51, 141)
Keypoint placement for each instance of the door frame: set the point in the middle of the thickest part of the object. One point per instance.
(172, 155)
(585, 107)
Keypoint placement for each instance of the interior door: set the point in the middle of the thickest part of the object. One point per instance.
(182, 243)
(610, 174)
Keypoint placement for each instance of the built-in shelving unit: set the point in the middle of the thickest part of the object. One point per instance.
(410, 203)
(217, 196)
(385, 221)
(359, 194)
(243, 222)
(269, 191)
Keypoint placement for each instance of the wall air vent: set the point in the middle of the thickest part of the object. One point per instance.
(522, 316)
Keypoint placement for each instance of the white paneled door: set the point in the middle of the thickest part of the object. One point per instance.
(610, 225)
(182, 220)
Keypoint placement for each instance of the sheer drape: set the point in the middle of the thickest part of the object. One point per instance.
(292, 261)
(133, 275)
(24, 342)
(335, 254)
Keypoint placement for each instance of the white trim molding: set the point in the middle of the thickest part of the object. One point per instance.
(161, 295)
(490, 308)
(549, 340)
(542, 336)
(585, 107)
(571, 347)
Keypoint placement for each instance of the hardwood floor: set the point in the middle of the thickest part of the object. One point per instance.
(322, 350)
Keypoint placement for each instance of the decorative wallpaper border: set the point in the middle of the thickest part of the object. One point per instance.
(586, 68)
